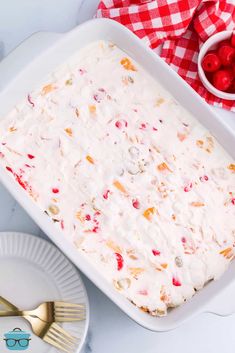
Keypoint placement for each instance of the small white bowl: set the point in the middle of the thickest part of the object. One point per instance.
(210, 44)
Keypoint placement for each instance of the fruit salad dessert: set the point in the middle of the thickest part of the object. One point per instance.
(127, 175)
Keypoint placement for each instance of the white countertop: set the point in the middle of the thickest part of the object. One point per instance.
(110, 329)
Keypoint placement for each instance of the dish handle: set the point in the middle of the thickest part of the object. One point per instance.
(23, 54)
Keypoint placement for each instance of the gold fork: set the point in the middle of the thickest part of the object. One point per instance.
(49, 332)
(54, 312)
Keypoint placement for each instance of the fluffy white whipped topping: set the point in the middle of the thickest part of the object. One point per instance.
(143, 190)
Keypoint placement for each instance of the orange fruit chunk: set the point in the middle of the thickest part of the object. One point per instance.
(119, 186)
(227, 253)
(69, 131)
(90, 159)
(149, 212)
(127, 64)
(47, 89)
(231, 167)
(163, 166)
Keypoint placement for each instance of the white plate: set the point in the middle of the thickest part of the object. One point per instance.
(33, 271)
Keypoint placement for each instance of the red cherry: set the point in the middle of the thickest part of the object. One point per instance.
(136, 204)
(224, 42)
(226, 54)
(120, 261)
(176, 282)
(233, 40)
(30, 156)
(209, 76)
(156, 252)
(222, 79)
(211, 62)
(232, 87)
(233, 68)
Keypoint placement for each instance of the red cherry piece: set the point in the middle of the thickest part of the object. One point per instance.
(188, 187)
(183, 239)
(120, 261)
(136, 204)
(226, 54)
(156, 252)
(233, 201)
(55, 190)
(143, 292)
(118, 124)
(9, 169)
(204, 178)
(30, 156)
(62, 224)
(106, 194)
(121, 124)
(87, 217)
(143, 126)
(222, 79)
(176, 282)
(233, 40)
(211, 62)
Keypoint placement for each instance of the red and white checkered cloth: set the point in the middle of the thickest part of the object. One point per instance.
(181, 26)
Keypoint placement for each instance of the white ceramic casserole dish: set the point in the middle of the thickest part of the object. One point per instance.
(31, 76)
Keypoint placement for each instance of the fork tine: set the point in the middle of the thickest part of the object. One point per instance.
(55, 343)
(69, 313)
(63, 332)
(61, 339)
(69, 309)
(69, 319)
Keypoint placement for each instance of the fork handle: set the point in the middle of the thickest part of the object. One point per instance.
(5, 302)
(11, 313)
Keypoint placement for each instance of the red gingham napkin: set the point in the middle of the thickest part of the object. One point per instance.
(181, 26)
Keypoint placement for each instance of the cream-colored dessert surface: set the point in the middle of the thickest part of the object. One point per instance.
(143, 190)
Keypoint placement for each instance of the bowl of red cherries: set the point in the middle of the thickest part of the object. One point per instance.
(216, 64)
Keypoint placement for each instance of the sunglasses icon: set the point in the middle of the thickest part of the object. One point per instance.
(12, 342)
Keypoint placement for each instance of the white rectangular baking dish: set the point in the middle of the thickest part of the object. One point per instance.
(31, 76)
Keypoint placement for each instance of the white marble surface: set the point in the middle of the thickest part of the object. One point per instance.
(110, 329)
